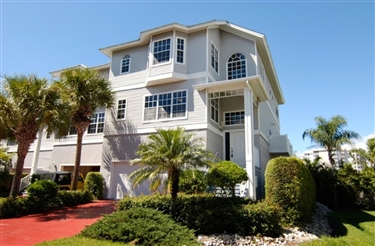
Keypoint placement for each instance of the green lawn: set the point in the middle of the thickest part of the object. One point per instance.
(351, 227)
(79, 241)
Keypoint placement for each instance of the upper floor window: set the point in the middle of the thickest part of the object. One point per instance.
(121, 109)
(236, 66)
(214, 58)
(234, 118)
(97, 123)
(162, 51)
(125, 64)
(165, 106)
(215, 109)
(72, 131)
(48, 136)
(180, 50)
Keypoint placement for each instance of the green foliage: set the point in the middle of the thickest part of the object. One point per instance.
(290, 186)
(94, 183)
(73, 198)
(141, 226)
(41, 195)
(12, 207)
(193, 182)
(207, 214)
(226, 175)
(35, 177)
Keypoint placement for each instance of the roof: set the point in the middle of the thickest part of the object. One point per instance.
(259, 38)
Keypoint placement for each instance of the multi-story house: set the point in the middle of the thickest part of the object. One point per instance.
(216, 79)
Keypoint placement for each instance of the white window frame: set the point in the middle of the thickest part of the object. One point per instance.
(71, 128)
(228, 62)
(96, 123)
(153, 52)
(128, 57)
(214, 110)
(183, 50)
(216, 59)
(230, 112)
(118, 109)
(48, 136)
(157, 107)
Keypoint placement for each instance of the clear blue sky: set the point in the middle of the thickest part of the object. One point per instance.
(323, 51)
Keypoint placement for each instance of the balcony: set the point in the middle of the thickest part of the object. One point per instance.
(280, 146)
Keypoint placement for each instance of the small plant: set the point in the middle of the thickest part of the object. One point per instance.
(193, 182)
(94, 183)
(141, 226)
(226, 175)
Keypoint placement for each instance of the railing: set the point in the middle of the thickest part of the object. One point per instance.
(25, 181)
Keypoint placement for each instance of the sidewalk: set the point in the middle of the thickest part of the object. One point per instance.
(65, 222)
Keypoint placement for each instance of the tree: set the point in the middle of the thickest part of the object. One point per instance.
(330, 134)
(168, 152)
(84, 90)
(226, 175)
(368, 155)
(27, 104)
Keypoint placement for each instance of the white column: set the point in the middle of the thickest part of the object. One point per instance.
(34, 165)
(249, 142)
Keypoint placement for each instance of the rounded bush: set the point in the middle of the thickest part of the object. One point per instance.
(141, 226)
(290, 186)
(94, 183)
(41, 195)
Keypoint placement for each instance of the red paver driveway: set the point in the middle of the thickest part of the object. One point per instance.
(65, 222)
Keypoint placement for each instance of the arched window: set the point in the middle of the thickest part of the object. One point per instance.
(125, 64)
(236, 66)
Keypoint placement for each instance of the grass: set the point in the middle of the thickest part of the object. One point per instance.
(351, 227)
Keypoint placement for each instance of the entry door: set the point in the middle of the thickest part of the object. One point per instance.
(237, 147)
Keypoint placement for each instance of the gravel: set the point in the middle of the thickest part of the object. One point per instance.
(318, 227)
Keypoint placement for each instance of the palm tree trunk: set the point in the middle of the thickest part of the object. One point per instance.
(23, 148)
(174, 190)
(332, 161)
(77, 162)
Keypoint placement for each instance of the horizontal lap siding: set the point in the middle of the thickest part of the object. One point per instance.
(196, 57)
(138, 55)
(215, 144)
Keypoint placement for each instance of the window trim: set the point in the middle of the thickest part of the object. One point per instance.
(218, 111)
(121, 65)
(234, 111)
(97, 123)
(183, 51)
(170, 52)
(157, 106)
(218, 58)
(117, 109)
(232, 62)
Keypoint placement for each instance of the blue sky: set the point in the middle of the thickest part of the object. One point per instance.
(323, 51)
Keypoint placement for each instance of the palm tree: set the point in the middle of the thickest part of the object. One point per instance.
(369, 154)
(27, 104)
(169, 151)
(84, 90)
(330, 134)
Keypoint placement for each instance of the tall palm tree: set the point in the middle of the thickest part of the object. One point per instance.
(369, 154)
(27, 104)
(169, 151)
(84, 90)
(330, 134)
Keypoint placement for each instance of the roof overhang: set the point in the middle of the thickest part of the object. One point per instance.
(253, 82)
(57, 73)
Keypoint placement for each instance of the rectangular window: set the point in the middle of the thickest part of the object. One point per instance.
(125, 64)
(180, 50)
(72, 131)
(97, 124)
(215, 109)
(121, 109)
(214, 58)
(234, 118)
(165, 106)
(162, 51)
(48, 136)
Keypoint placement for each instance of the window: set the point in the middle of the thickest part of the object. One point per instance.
(125, 64)
(215, 109)
(121, 109)
(236, 66)
(97, 124)
(235, 118)
(48, 136)
(165, 106)
(214, 58)
(162, 51)
(72, 131)
(180, 50)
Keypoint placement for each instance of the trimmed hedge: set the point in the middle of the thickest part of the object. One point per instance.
(289, 184)
(207, 214)
(141, 226)
(94, 183)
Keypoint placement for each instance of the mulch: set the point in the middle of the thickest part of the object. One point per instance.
(64, 222)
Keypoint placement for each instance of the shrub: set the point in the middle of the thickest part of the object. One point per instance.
(290, 185)
(207, 214)
(94, 183)
(226, 175)
(73, 198)
(35, 177)
(41, 195)
(193, 182)
(141, 226)
(12, 207)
